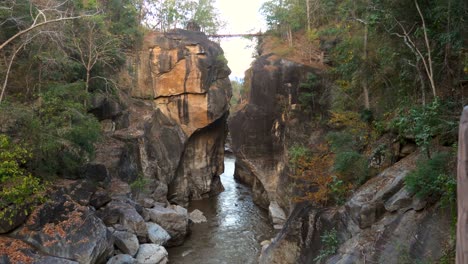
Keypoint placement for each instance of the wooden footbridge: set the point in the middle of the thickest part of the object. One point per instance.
(248, 35)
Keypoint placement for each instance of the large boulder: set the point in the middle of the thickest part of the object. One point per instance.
(174, 220)
(156, 234)
(126, 242)
(63, 228)
(125, 216)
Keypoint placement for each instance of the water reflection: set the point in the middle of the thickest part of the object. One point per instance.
(234, 229)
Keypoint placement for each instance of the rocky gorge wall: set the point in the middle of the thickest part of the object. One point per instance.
(259, 130)
(177, 105)
(380, 222)
(163, 146)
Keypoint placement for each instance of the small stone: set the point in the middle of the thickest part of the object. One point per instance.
(152, 254)
(122, 259)
(197, 216)
(278, 227)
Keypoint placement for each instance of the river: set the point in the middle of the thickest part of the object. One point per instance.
(234, 229)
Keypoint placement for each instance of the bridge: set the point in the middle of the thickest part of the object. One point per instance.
(260, 34)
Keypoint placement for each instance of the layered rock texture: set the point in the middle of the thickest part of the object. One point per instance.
(259, 129)
(381, 222)
(163, 146)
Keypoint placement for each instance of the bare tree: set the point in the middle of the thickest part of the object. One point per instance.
(91, 46)
(427, 62)
(42, 15)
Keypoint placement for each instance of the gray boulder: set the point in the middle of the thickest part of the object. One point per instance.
(277, 214)
(174, 220)
(124, 214)
(157, 234)
(122, 259)
(65, 229)
(126, 242)
(152, 254)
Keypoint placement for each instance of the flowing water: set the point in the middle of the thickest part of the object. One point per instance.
(234, 229)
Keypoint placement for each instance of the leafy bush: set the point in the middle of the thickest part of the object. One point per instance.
(341, 141)
(330, 244)
(298, 154)
(432, 178)
(17, 186)
(60, 133)
(352, 166)
(424, 122)
(65, 132)
(308, 94)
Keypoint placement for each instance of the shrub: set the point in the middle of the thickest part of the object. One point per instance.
(17, 186)
(423, 123)
(432, 178)
(60, 133)
(330, 244)
(351, 166)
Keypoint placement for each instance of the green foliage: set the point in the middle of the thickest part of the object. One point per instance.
(424, 122)
(338, 190)
(308, 93)
(352, 166)
(19, 190)
(432, 177)
(64, 131)
(59, 131)
(138, 185)
(341, 141)
(297, 153)
(330, 244)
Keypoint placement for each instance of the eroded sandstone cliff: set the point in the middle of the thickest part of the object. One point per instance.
(177, 106)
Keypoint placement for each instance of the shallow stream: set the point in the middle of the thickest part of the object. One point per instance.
(234, 229)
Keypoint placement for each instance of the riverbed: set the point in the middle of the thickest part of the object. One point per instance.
(234, 229)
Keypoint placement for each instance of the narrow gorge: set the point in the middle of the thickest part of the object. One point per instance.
(125, 139)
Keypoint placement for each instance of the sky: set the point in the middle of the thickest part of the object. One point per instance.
(241, 16)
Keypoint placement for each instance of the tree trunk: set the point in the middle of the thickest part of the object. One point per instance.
(308, 14)
(365, 84)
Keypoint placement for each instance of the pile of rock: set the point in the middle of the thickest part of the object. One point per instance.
(83, 224)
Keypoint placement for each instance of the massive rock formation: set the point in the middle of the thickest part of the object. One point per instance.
(258, 130)
(381, 222)
(173, 130)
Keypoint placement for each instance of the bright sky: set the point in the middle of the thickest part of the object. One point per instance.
(241, 16)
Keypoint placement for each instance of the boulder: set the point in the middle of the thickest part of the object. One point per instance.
(126, 242)
(152, 254)
(197, 216)
(16, 251)
(366, 206)
(124, 214)
(174, 220)
(156, 234)
(122, 259)
(65, 229)
(277, 214)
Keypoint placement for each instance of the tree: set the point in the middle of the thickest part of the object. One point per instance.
(90, 44)
(24, 28)
(40, 16)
